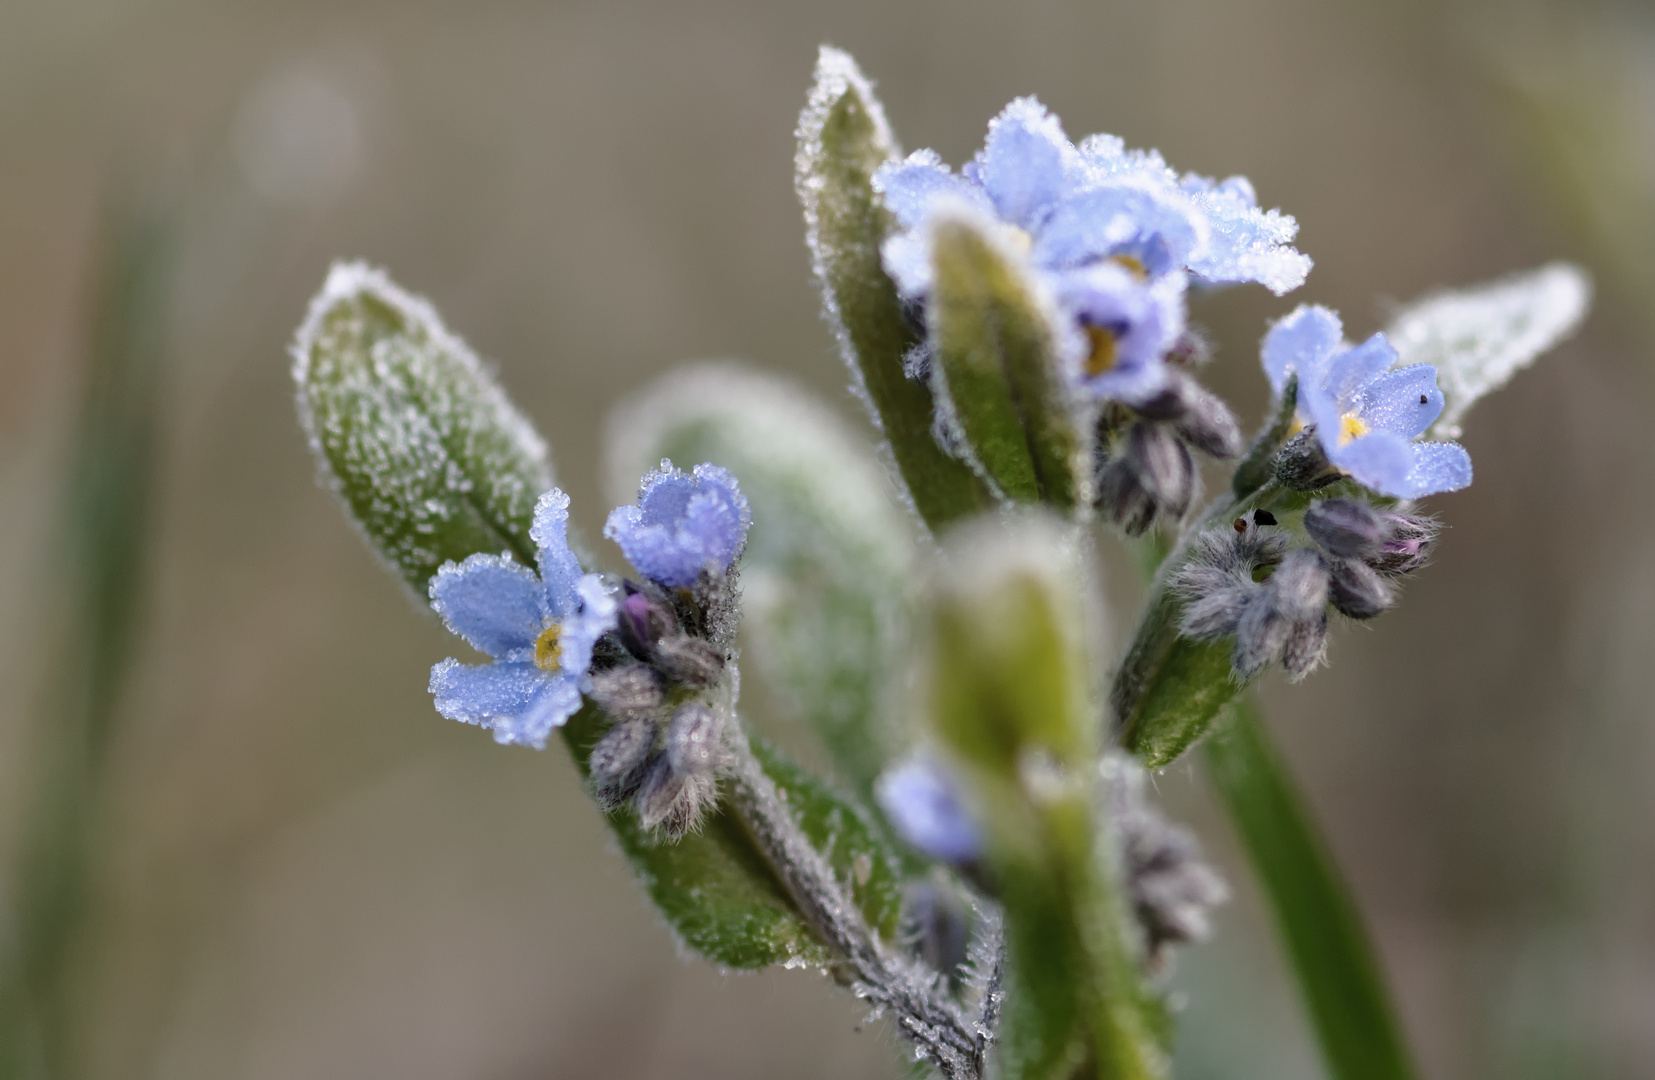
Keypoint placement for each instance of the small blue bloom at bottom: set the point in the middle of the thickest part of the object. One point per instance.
(539, 628)
(926, 809)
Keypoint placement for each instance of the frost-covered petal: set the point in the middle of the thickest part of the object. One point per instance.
(1300, 342)
(559, 569)
(926, 810)
(1105, 157)
(1404, 402)
(683, 524)
(493, 603)
(908, 186)
(1158, 226)
(1143, 319)
(557, 700)
(1246, 243)
(1027, 162)
(1381, 461)
(1437, 467)
(907, 258)
(1356, 367)
(581, 631)
(479, 695)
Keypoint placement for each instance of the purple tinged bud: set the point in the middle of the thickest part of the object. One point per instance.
(694, 746)
(1408, 545)
(620, 761)
(1358, 590)
(628, 692)
(642, 621)
(1345, 527)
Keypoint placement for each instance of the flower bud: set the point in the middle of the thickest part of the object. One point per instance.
(1345, 527)
(1358, 590)
(694, 747)
(1302, 465)
(628, 692)
(620, 761)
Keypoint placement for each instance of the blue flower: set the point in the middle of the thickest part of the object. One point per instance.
(540, 630)
(1115, 234)
(1366, 412)
(923, 806)
(684, 523)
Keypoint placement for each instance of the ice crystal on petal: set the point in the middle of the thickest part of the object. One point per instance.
(683, 525)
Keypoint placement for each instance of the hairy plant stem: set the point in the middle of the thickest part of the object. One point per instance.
(891, 982)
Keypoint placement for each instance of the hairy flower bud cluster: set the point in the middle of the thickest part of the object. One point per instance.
(1171, 888)
(1245, 583)
(1145, 457)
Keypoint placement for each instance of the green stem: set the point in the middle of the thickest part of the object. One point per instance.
(1315, 915)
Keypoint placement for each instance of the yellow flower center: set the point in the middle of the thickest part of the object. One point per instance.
(546, 650)
(1103, 351)
(1020, 239)
(1351, 427)
(1133, 264)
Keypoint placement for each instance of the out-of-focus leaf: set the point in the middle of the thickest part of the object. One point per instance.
(824, 577)
(997, 357)
(418, 440)
(1315, 915)
(842, 139)
(1480, 337)
(1007, 689)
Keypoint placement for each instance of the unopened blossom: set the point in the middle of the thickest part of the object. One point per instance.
(683, 525)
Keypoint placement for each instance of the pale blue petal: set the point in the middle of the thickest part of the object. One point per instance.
(1146, 319)
(1380, 461)
(683, 524)
(479, 695)
(1105, 158)
(1157, 225)
(581, 631)
(1246, 243)
(492, 602)
(1356, 367)
(1438, 467)
(557, 700)
(1404, 402)
(1300, 342)
(909, 186)
(1027, 162)
(559, 569)
(923, 806)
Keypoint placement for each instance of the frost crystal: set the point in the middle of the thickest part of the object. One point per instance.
(1478, 338)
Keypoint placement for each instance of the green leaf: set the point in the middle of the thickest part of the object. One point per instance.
(824, 577)
(997, 360)
(1006, 681)
(428, 456)
(1192, 686)
(714, 888)
(1478, 338)
(1314, 912)
(842, 139)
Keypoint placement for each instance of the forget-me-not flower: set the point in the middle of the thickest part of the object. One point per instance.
(684, 523)
(540, 630)
(1115, 235)
(924, 807)
(1367, 414)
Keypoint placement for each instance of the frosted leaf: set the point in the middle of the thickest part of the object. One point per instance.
(1478, 338)
(843, 138)
(431, 460)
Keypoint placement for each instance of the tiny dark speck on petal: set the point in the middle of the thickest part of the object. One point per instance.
(1423, 399)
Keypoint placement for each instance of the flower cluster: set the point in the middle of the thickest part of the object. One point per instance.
(646, 652)
(1114, 238)
(1245, 583)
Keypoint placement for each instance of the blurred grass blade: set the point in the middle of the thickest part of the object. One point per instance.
(97, 593)
(1332, 957)
(842, 139)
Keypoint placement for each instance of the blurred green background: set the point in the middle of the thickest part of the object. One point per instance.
(299, 870)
